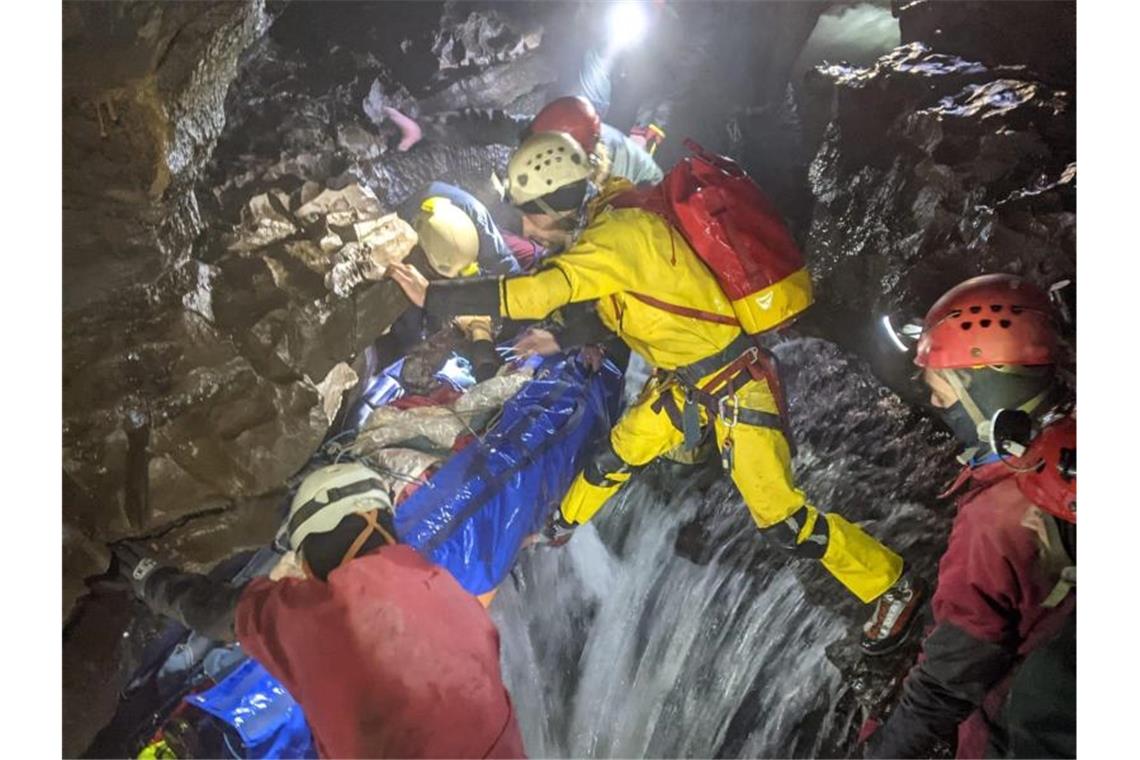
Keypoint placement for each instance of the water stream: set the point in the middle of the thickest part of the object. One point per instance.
(617, 646)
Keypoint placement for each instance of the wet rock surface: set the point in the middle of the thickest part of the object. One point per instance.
(933, 168)
(1045, 41)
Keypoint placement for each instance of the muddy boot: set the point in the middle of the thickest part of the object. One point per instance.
(894, 615)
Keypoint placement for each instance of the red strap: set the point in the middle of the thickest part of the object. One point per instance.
(963, 476)
(685, 311)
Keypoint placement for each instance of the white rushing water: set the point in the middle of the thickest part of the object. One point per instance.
(651, 655)
(623, 648)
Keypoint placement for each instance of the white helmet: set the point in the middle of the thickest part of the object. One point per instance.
(328, 495)
(447, 235)
(544, 164)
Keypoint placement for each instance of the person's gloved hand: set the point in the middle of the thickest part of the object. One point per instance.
(536, 341)
(592, 357)
(135, 564)
(556, 532)
(484, 360)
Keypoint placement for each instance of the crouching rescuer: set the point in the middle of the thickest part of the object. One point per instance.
(687, 272)
(386, 654)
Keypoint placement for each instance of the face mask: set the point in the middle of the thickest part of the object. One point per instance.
(960, 423)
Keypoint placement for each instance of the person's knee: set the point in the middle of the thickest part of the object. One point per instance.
(607, 468)
(804, 533)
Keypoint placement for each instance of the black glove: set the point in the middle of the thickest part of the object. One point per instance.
(135, 564)
(556, 532)
(484, 360)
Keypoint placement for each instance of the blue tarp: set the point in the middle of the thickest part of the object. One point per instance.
(472, 520)
(478, 507)
(268, 720)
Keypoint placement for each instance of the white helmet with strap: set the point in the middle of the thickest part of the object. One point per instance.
(448, 236)
(545, 172)
(328, 495)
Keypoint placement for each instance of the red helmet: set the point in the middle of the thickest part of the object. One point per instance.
(572, 114)
(1052, 484)
(992, 319)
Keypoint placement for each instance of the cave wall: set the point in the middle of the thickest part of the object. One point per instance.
(934, 166)
(206, 351)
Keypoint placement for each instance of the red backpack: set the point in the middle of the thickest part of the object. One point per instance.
(736, 232)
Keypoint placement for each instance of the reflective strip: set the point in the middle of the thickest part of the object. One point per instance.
(776, 304)
(759, 419)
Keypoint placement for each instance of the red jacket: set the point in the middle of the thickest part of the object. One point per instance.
(988, 613)
(389, 658)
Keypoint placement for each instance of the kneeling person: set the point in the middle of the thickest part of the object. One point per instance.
(386, 654)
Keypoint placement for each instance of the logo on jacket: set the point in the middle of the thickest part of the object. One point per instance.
(765, 301)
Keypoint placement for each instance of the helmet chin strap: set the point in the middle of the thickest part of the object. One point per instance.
(972, 409)
(983, 423)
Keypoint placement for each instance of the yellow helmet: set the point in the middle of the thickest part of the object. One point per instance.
(546, 163)
(448, 236)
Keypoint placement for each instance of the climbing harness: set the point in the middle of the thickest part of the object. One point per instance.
(741, 362)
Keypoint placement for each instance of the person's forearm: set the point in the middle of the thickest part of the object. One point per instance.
(530, 296)
(205, 606)
(940, 692)
(447, 299)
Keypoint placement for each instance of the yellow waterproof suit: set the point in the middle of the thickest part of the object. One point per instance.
(628, 251)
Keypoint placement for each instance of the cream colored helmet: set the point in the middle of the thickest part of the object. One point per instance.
(448, 236)
(328, 495)
(544, 164)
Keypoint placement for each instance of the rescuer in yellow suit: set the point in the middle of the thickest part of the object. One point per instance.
(646, 281)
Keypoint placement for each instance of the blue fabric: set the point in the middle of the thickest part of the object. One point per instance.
(628, 159)
(268, 720)
(594, 81)
(478, 508)
(494, 254)
(986, 459)
(384, 390)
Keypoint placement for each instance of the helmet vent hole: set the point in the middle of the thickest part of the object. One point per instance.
(956, 314)
(550, 182)
(575, 158)
(1016, 309)
(995, 308)
(975, 309)
(559, 159)
(985, 323)
(1005, 323)
(967, 325)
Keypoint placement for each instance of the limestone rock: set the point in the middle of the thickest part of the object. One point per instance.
(924, 178)
(265, 220)
(82, 558)
(482, 37)
(332, 389)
